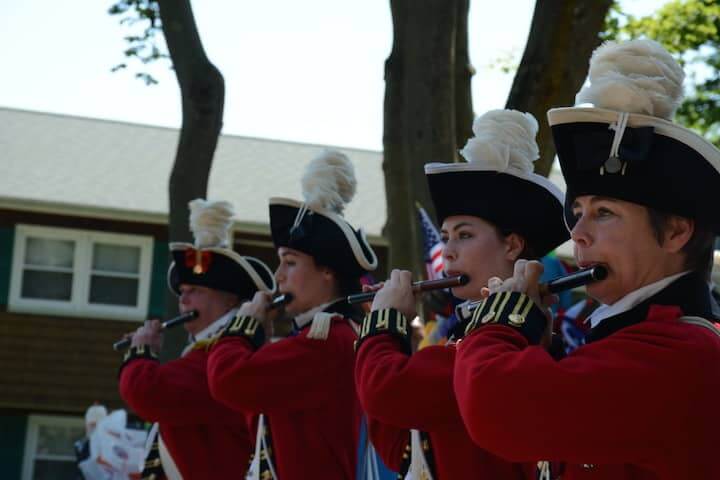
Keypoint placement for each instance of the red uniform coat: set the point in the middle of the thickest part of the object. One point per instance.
(401, 392)
(638, 402)
(205, 438)
(305, 388)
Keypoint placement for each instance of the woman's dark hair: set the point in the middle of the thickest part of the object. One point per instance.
(528, 252)
(346, 284)
(698, 250)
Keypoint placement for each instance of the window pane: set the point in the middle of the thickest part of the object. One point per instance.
(116, 258)
(113, 290)
(49, 252)
(58, 439)
(46, 285)
(55, 470)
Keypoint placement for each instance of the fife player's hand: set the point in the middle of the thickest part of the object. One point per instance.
(258, 309)
(397, 293)
(149, 334)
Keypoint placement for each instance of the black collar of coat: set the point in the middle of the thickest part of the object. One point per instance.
(689, 292)
(342, 307)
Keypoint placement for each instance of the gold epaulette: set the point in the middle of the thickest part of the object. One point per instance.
(208, 342)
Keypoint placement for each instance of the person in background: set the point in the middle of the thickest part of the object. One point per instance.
(194, 436)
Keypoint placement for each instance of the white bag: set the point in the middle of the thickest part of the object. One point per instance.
(116, 452)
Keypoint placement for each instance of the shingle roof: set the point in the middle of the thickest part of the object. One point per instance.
(105, 166)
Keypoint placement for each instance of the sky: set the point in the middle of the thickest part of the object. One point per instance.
(308, 71)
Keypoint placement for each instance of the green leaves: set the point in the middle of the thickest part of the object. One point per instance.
(680, 25)
(143, 46)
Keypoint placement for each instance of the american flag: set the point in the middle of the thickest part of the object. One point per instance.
(432, 245)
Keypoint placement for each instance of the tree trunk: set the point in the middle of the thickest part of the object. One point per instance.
(464, 72)
(203, 93)
(562, 36)
(420, 117)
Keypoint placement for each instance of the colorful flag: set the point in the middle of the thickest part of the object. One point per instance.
(433, 245)
(441, 302)
(572, 323)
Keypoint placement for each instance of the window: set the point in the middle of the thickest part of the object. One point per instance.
(49, 452)
(80, 273)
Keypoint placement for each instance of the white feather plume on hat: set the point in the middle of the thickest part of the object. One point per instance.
(329, 182)
(210, 222)
(504, 139)
(637, 76)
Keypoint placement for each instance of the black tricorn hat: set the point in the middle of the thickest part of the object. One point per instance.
(497, 183)
(658, 164)
(209, 262)
(531, 207)
(625, 147)
(219, 269)
(316, 226)
(324, 235)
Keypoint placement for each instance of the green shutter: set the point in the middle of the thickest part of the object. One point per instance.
(12, 446)
(158, 284)
(7, 239)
